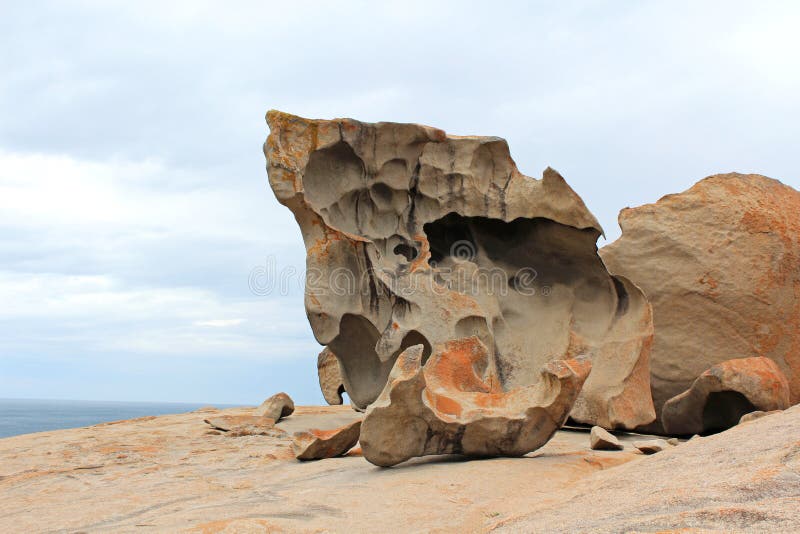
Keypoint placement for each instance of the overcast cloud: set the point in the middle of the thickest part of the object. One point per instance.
(134, 202)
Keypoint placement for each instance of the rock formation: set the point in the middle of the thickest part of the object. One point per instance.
(330, 377)
(276, 407)
(317, 444)
(414, 237)
(456, 403)
(720, 264)
(719, 397)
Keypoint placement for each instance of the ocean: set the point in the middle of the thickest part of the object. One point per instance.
(23, 416)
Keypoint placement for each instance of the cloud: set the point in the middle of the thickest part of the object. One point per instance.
(99, 314)
(133, 196)
(219, 323)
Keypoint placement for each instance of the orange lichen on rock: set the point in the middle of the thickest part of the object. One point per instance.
(439, 408)
(315, 444)
(720, 264)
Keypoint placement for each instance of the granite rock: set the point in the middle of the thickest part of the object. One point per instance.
(416, 237)
(455, 404)
(720, 264)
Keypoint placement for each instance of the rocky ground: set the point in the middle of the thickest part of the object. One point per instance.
(173, 473)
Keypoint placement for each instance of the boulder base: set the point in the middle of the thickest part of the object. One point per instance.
(453, 404)
(722, 395)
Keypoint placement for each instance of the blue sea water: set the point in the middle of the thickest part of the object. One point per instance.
(23, 416)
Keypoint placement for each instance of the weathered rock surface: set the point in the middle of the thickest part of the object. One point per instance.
(417, 237)
(317, 444)
(721, 395)
(602, 440)
(651, 446)
(227, 422)
(276, 407)
(746, 479)
(330, 377)
(758, 414)
(164, 474)
(720, 264)
(454, 404)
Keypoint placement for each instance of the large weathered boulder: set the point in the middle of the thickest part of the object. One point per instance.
(720, 264)
(724, 393)
(330, 377)
(416, 237)
(456, 404)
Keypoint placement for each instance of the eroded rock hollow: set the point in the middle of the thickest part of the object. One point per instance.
(415, 237)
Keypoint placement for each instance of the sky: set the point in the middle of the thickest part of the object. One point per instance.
(135, 215)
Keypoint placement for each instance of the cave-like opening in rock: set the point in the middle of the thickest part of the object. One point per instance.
(410, 253)
(723, 410)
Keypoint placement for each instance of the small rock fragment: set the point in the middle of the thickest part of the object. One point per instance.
(674, 441)
(651, 446)
(276, 407)
(318, 444)
(602, 440)
(758, 414)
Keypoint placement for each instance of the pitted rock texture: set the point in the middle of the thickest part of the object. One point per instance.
(276, 407)
(723, 394)
(416, 237)
(330, 377)
(453, 404)
(720, 264)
